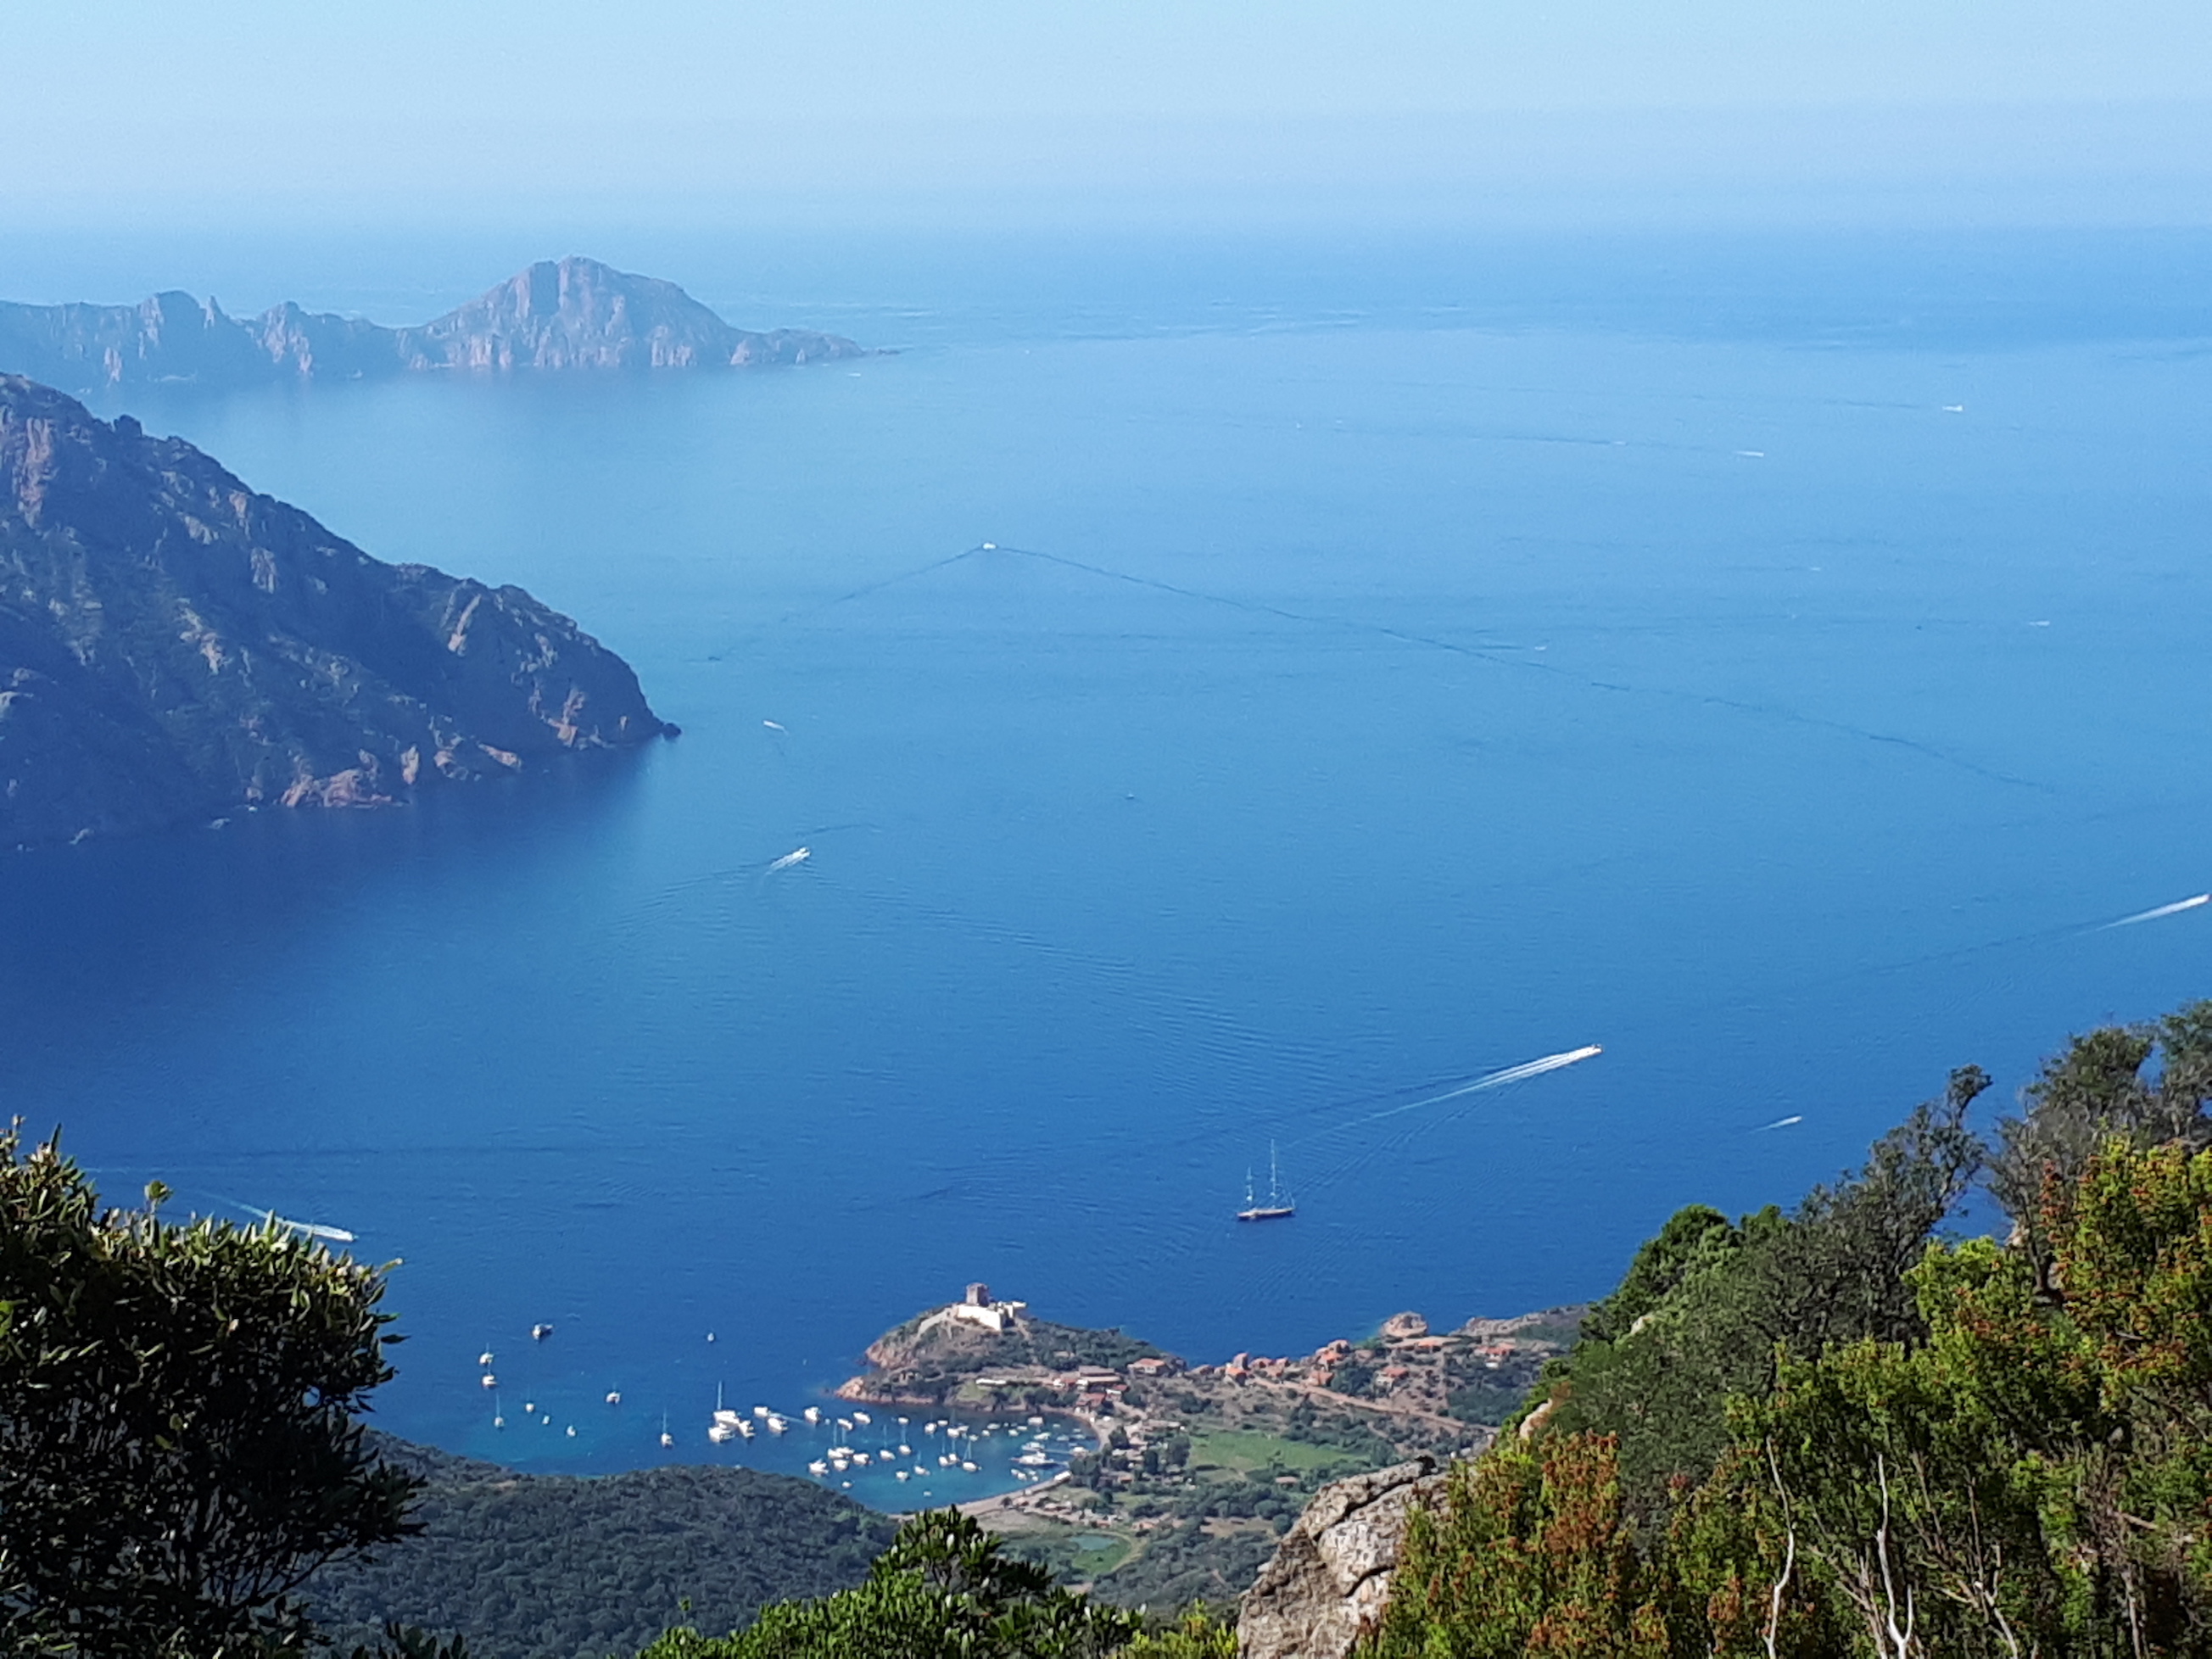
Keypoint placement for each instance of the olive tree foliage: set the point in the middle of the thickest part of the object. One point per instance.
(178, 1447)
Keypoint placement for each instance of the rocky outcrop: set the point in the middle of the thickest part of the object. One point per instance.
(572, 313)
(173, 645)
(1331, 1575)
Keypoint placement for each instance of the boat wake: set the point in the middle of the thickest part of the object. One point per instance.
(1498, 1079)
(2162, 911)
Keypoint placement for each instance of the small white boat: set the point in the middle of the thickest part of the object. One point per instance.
(539, 1333)
(903, 1475)
(760, 1410)
(667, 1439)
(498, 1422)
(613, 1396)
(746, 1430)
(718, 1433)
(812, 1413)
(817, 1467)
(862, 1417)
(530, 1408)
(968, 1468)
(484, 1358)
(729, 1420)
(490, 1381)
(773, 725)
(906, 1451)
(792, 859)
(572, 1431)
(860, 1458)
(776, 1424)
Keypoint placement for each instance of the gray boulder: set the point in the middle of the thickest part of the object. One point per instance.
(1331, 1575)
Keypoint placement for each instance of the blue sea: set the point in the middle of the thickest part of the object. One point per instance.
(1233, 694)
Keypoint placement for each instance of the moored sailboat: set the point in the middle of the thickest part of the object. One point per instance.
(1278, 1205)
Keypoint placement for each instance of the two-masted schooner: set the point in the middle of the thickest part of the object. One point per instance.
(1278, 1205)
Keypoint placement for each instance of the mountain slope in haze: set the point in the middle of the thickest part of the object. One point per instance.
(173, 646)
(573, 314)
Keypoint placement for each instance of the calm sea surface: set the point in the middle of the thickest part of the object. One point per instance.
(1213, 725)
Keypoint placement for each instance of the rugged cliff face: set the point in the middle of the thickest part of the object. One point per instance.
(1331, 1576)
(574, 313)
(173, 645)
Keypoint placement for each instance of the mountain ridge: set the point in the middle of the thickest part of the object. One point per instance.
(562, 315)
(175, 646)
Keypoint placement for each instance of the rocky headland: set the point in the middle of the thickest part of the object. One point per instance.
(1200, 1469)
(569, 314)
(174, 646)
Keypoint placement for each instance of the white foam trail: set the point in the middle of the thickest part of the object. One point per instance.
(1494, 1080)
(313, 1230)
(2172, 909)
(790, 859)
(1781, 1122)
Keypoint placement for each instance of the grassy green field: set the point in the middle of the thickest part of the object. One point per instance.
(1077, 1554)
(1243, 1450)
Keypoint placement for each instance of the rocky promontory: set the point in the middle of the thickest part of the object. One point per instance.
(568, 314)
(174, 646)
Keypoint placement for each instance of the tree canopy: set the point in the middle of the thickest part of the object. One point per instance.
(945, 1589)
(1839, 1433)
(178, 1447)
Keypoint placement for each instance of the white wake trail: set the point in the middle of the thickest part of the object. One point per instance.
(1494, 1081)
(2163, 910)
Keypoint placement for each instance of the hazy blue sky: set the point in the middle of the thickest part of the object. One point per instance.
(2015, 108)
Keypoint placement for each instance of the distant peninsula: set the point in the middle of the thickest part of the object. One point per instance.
(174, 647)
(563, 315)
(1200, 1469)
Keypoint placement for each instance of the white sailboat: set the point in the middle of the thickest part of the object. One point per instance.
(1278, 1206)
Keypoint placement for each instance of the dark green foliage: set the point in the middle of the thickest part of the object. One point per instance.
(177, 1449)
(1706, 1305)
(558, 1566)
(1199, 1633)
(407, 1642)
(1966, 1450)
(1186, 1561)
(1689, 1242)
(2096, 1090)
(945, 1589)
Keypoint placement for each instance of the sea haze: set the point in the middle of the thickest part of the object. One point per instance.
(1359, 695)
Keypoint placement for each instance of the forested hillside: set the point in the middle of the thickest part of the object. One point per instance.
(537, 1567)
